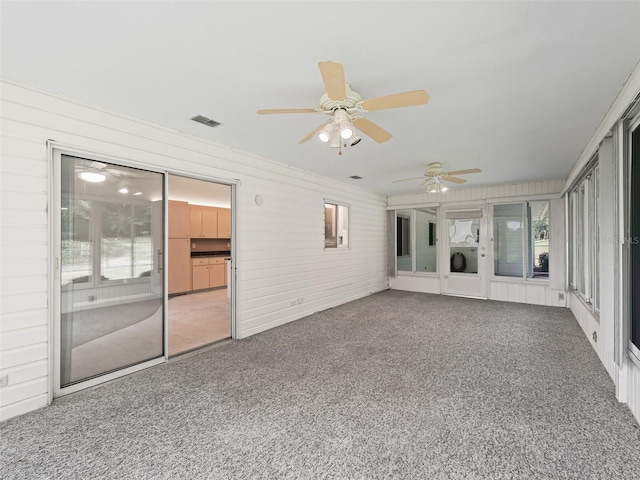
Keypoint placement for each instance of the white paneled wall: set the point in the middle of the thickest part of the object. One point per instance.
(534, 292)
(283, 271)
(415, 283)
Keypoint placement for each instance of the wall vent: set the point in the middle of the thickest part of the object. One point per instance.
(205, 121)
(356, 177)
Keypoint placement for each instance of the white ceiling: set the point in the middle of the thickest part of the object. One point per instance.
(517, 88)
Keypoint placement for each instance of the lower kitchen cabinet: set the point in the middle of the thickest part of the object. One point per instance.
(208, 273)
(179, 271)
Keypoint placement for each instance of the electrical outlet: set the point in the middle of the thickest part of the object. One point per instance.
(293, 303)
(300, 300)
(4, 380)
(561, 296)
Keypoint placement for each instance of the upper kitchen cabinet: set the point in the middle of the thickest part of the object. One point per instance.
(178, 219)
(203, 221)
(224, 223)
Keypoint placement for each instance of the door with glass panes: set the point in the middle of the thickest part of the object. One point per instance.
(109, 276)
(465, 247)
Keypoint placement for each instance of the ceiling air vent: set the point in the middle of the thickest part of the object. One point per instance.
(356, 177)
(205, 121)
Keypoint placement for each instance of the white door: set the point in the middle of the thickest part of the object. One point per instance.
(464, 263)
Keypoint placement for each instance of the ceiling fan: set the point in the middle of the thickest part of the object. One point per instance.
(345, 107)
(435, 173)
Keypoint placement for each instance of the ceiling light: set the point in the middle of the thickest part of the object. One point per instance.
(325, 134)
(346, 131)
(123, 187)
(138, 193)
(92, 177)
(434, 186)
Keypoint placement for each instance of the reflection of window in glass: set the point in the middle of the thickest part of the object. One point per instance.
(126, 247)
(336, 225)
(76, 241)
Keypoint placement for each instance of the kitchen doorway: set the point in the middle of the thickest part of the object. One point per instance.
(199, 309)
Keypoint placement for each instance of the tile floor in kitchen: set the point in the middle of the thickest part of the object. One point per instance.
(198, 319)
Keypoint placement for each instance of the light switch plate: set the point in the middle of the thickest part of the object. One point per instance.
(4, 380)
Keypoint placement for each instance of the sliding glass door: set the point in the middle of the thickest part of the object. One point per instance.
(110, 305)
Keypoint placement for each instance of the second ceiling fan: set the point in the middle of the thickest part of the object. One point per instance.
(435, 172)
(345, 107)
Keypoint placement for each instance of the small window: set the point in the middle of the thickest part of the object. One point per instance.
(336, 225)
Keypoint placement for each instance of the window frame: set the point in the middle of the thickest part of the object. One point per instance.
(528, 254)
(633, 350)
(410, 213)
(403, 220)
(346, 212)
(583, 236)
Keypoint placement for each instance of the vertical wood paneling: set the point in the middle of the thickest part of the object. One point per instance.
(286, 252)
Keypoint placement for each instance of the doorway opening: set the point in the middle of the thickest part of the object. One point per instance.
(199, 264)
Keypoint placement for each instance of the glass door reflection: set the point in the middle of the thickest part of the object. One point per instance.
(111, 276)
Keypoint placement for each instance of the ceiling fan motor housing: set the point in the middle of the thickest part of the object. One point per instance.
(352, 99)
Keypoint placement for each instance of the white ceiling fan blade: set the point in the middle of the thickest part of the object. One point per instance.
(270, 111)
(454, 180)
(407, 99)
(333, 78)
(462, 172)
(374, 131)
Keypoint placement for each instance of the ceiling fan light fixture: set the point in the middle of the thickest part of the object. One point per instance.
(326, 133)
(123, 187)
(346, 131)
(434, 186)
(92, 177)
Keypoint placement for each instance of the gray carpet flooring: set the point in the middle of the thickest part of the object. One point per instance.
(396, 385)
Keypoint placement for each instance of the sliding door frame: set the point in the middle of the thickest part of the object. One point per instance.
(55, 152)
